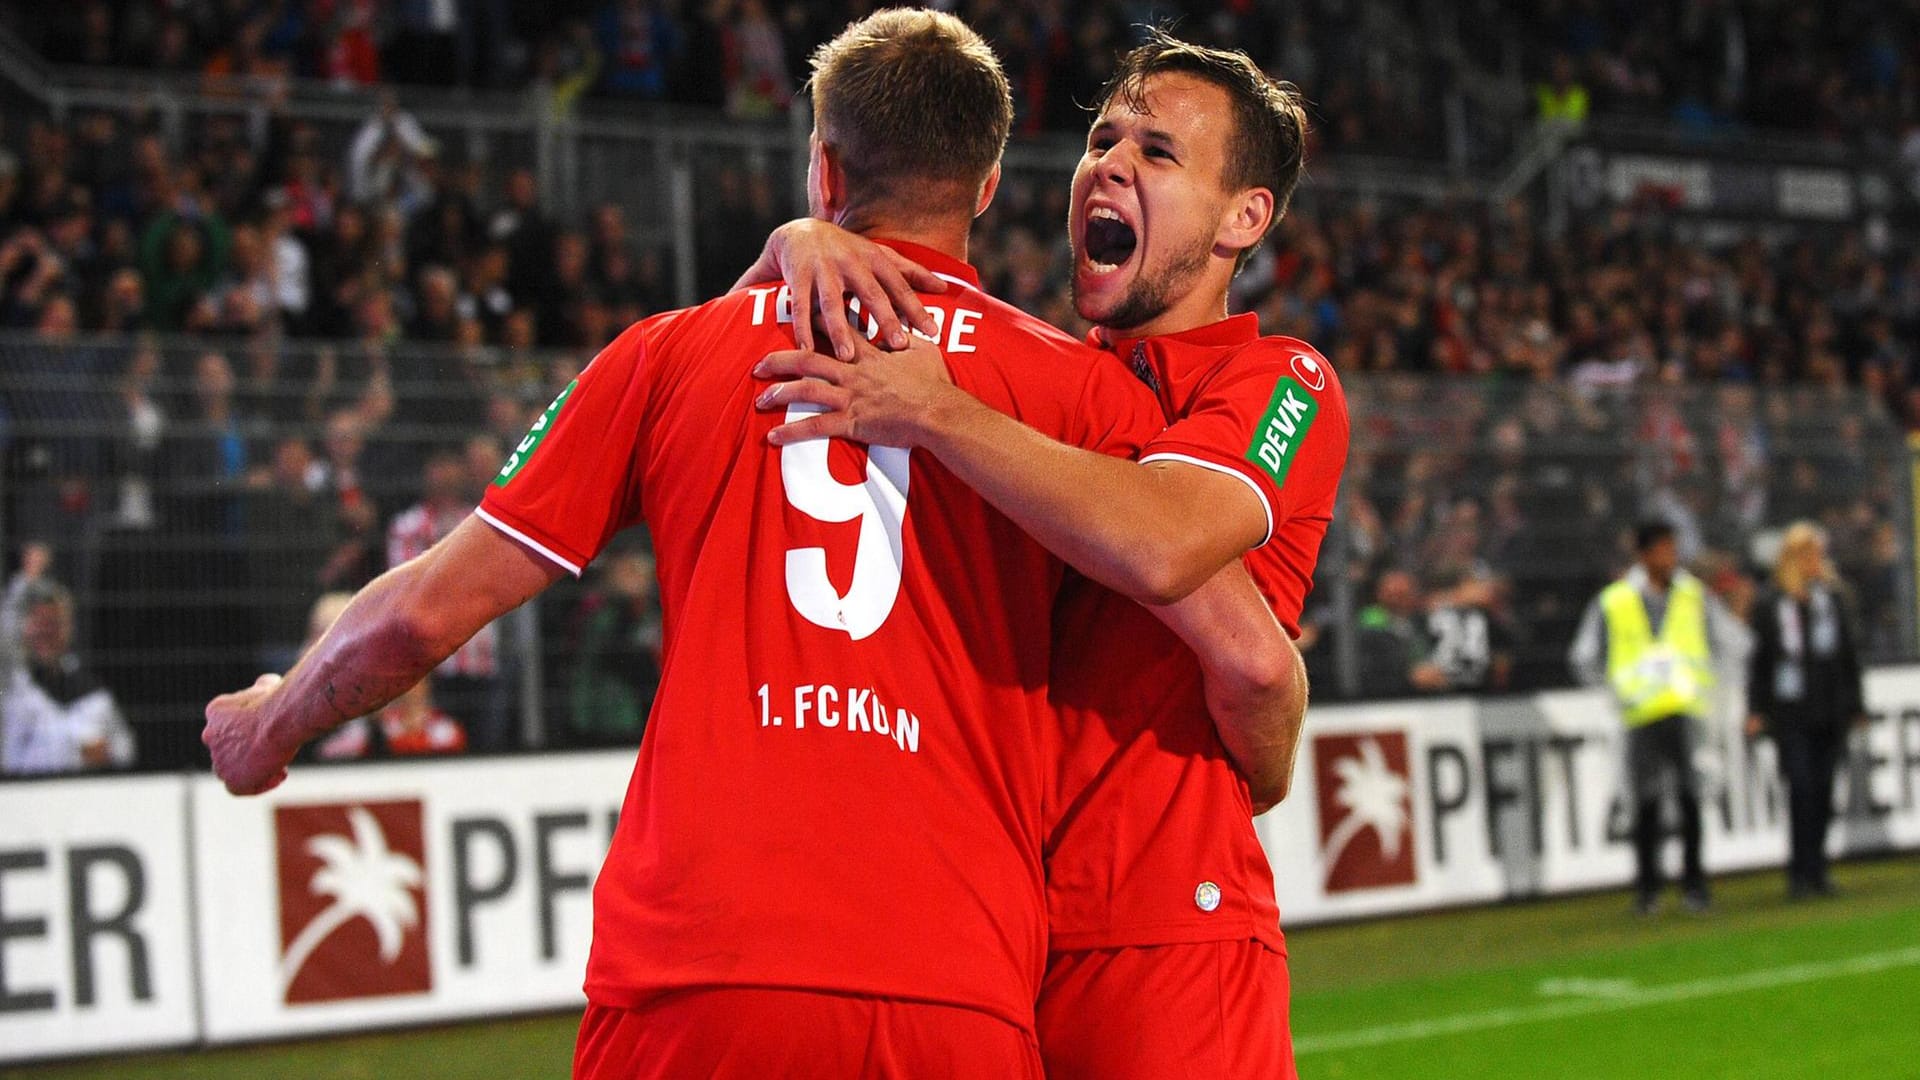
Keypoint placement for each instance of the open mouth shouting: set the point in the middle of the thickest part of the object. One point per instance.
(1110, 241)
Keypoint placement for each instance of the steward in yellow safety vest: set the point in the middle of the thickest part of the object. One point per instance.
(1651, 638)
(1668, 674)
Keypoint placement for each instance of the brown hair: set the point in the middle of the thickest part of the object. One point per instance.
(1269, 149)
(912, 100)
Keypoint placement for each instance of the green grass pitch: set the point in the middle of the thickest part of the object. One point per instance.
(1574, 989)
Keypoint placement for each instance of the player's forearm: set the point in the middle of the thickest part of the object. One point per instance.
(1260, 729)
(1256, 684)
(1120, 523)
(383, 644)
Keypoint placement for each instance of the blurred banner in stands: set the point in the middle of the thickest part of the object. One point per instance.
(1729, 176)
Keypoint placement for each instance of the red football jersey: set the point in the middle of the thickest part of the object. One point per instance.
(1151, 838)
(840, 785)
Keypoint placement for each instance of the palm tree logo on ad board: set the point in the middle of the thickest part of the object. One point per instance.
(1365, 797)
(353, 916)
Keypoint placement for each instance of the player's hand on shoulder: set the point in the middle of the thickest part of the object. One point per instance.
(881, 398)
(825, 266)
(235, 736)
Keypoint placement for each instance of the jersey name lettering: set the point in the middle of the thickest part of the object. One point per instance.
(953, 331)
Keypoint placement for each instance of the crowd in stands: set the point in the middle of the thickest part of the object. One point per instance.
(1372, 67)
(1371, 74)
(1845, 73)
(374, 324)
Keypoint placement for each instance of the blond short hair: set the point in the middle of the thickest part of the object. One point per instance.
(917, 107)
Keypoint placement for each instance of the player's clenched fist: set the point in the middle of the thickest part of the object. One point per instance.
(236, 736)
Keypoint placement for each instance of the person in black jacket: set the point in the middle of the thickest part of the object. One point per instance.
(1804, 689)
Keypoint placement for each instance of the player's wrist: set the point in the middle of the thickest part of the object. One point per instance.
(282, 734)
(949, 414)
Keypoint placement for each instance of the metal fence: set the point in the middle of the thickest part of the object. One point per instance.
(1484, 517)
(199, 496)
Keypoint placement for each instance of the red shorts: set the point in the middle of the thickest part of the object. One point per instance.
(752, 1034)
(1215, 1010)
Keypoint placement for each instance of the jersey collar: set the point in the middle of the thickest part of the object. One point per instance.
(939, 262)
(1228, 332)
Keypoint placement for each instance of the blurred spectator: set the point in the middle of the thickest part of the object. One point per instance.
(436, 317)
(121, 306)
(134, 457)
(568, 289)
(616, 662)
(1471, 644)
(1804, 690)
(386, 162)
(56, 460)
(349, 56)
(564, 68)
(638, 38)
(55, 717)
(1561, 99)
(524, 230)
(336, 476)
(470, 683)
(1396, 654)
(181, 258)
(206, 456)
(757, 81)
(487, 293)
(288, 279)
(31, 275)
(292, 536)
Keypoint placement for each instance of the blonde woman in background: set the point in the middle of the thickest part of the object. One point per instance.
(1804, 690)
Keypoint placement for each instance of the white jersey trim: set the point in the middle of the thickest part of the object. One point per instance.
(529, 541)
(957, 281)
(1214, 466)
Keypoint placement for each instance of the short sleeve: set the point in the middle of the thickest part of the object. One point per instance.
(1117, 415)
(1272, 418)
(574, 480)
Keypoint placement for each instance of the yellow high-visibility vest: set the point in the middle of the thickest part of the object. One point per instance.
(1567, 106)
(1670, 675)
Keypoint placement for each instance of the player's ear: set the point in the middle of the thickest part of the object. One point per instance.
(987, 191)
(1248, 216)
(829, 177)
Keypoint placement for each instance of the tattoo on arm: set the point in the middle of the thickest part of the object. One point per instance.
(340, 715)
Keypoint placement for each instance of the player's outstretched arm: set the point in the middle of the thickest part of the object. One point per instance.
(824, 264)
(1256, 683)
(394, 632)
(1153, 532)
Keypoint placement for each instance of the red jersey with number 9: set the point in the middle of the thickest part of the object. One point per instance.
(840, 785)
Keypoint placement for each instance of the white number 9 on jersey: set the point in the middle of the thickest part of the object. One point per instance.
(880, 503)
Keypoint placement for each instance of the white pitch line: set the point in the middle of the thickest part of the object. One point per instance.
(1764, 979)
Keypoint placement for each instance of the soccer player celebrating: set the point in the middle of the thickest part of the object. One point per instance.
(1166, 952)
(829, 858)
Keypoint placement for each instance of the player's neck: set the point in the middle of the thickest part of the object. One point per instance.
(945, 237)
